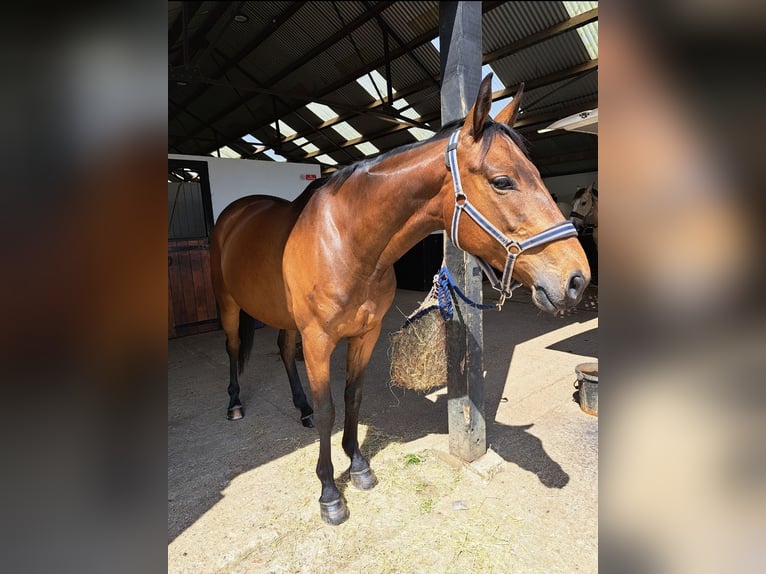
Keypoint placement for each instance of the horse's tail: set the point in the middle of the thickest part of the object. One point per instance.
(246, 336)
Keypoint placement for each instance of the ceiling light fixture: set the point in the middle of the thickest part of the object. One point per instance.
(240, 18)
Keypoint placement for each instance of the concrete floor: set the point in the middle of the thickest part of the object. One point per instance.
(236, 490)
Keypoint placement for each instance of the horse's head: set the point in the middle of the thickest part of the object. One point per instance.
(501, 211)
(584, 207)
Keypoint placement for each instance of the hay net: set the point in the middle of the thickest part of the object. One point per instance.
(418, 351)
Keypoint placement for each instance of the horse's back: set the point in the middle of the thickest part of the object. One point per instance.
(247, 244)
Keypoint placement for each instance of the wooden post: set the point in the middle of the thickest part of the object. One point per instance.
(460, 47)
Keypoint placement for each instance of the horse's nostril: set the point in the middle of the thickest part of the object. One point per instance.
(576, 285)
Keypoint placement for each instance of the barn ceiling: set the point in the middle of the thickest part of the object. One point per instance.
(335, 82)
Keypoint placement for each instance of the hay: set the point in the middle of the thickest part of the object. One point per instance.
(418, 352)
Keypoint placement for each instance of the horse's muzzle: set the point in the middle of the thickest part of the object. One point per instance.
(575, 287)
(550, 299)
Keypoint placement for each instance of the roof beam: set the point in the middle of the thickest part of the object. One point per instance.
(423, 38)
(493, 56)
(427, 36)
(206, 126)
(196, 42)
(307, 57)
(547, 34)
(246, 50)
(499, 95)
(188, 10)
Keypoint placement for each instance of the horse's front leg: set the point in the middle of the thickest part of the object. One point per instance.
(317, 349)
(359, 352)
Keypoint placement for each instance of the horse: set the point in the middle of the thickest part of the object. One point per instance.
(322, 265)
(584, 216)
(584, 212)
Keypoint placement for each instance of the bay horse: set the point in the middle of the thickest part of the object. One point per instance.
(322, 265)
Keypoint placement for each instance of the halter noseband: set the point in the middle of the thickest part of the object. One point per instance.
(514, 248)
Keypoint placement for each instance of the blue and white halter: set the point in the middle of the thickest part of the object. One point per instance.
(514, 248)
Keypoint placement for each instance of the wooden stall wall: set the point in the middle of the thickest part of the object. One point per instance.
(191, 304)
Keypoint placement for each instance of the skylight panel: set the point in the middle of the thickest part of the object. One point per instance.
(400, 103)
(284, 129)
(226, 151)
(346, 130)
(435, 43)
(497, 83)
(372, 80)
(300, 141)
(421, 134)
(410, 113)
(326, 159)
(575, 8)
(588, 33)
(367, 148)
(310, 148)
(274, 155)
(322, 111)
(589, 36)
(251, 139)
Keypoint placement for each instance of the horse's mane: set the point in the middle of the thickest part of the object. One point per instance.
(491, 128)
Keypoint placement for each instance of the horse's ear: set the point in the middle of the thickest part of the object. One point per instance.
(510, 112)
(479, 112)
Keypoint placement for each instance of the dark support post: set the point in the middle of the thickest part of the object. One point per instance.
(460, 47)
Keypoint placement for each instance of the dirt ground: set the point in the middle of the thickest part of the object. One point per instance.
(242, 496)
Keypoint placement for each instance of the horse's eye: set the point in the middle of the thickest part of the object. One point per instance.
(503, 183)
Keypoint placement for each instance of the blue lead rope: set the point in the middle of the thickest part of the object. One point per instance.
(443, 282)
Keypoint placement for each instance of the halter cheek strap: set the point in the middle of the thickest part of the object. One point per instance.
(513, 248)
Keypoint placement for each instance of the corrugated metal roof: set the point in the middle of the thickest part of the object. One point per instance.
(561, 95)
(514, 21)
(411, 19)
(310, 53)
(557, 54)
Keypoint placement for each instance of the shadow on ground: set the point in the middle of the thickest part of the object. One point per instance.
(206, 451)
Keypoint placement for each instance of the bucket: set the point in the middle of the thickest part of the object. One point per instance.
(587, 384)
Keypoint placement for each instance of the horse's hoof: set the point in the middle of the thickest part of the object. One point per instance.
(364, 479)
(335, 512)
(308, 421)
(235, 413)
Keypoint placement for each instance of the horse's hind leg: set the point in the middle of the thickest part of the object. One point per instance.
(359, 352)
(287, 350)
(230, 324)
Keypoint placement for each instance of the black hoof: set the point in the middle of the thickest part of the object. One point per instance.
(235, 413)
(364, 479)
(308, 421)
(335, 512)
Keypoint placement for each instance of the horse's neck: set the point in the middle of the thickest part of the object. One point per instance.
(402, 202)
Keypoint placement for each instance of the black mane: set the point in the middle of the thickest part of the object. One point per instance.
(490, 129)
